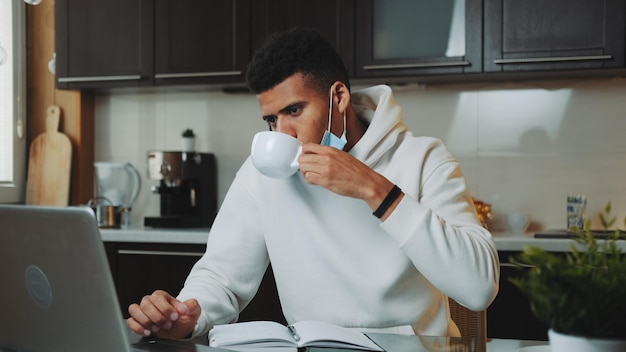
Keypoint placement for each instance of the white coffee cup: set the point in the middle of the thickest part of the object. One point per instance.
(275, 154)
(517, 222)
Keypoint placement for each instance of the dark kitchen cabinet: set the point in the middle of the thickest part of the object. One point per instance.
(140, 268)
(418, 38)
(509, 316)
(199, 41)
(103, 43)
(333, 18)
(537, 35)
(122, 43)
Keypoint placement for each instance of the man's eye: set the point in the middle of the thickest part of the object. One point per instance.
(271, 121)
(294, 110)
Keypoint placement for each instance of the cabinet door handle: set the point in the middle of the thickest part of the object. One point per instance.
(416, 65)
(551, 59)
(168, 253)
(99, 78)
(197, 74)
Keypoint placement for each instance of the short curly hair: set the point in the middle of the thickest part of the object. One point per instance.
(297, 50)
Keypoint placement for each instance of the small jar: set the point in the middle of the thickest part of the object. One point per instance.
(576, 211)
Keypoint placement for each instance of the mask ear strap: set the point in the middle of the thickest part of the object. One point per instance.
(330, 109)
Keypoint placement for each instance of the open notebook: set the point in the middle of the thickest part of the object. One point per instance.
(272, 336)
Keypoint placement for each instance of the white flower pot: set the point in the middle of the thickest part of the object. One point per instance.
(188, 144)
(570, 343)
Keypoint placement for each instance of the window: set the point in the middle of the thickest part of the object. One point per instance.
(12, 101)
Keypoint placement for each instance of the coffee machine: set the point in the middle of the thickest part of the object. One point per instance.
(187, 189)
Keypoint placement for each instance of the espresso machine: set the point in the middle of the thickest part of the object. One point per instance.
(187, 189)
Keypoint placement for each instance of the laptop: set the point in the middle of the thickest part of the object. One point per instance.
(57, 291)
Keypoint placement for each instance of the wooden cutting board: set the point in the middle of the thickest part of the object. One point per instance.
(49, 164)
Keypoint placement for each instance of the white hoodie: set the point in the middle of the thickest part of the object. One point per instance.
(333, 260)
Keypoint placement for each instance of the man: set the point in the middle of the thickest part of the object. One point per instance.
(374, 233)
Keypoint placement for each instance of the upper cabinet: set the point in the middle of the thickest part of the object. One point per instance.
(418, 37)
(539, 35)
(120, 43)
(199, 41)
(103, 43)
(333, 18)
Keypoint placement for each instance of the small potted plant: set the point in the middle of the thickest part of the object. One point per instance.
(188, 140)
(580, 294)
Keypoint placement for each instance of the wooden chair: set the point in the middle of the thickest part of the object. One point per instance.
(471, 323)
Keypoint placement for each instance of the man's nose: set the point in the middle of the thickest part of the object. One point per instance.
(283, 126)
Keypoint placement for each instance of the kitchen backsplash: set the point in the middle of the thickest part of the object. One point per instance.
(523, 146)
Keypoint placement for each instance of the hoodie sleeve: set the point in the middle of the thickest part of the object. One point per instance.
(227, 277)
(436, 225)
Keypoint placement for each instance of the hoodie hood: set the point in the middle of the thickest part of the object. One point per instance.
(378, 108)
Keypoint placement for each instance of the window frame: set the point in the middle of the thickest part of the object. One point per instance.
(14, 192)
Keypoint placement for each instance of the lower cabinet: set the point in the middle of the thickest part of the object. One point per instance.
(510, 316)
(138, 269)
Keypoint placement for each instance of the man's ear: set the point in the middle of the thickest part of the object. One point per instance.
(341, 96)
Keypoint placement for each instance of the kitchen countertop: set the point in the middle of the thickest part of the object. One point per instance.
(150, 235)
(509, 242)
(504, 241)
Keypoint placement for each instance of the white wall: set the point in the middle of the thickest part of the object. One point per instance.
(523, 146)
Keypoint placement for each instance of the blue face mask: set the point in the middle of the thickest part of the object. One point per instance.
(329, 139)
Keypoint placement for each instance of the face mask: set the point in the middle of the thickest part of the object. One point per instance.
(329, 139)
